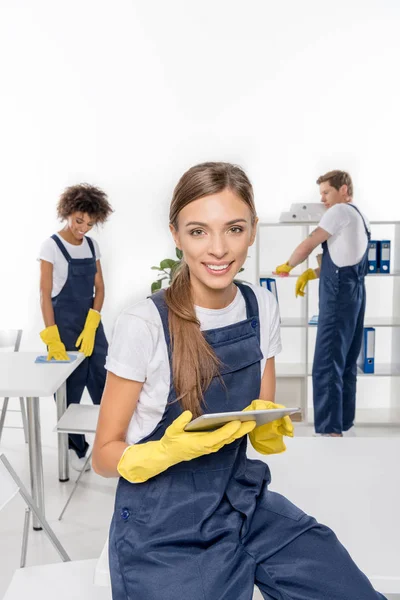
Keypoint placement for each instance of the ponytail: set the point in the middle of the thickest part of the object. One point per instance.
(194, 363)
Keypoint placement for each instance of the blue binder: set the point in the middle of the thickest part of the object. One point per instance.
(270, 284)
(373, 256)
(366, 359)
(384, 256)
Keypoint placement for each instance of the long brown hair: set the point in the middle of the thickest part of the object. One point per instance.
(194, 363)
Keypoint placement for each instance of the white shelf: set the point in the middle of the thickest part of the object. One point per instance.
(296, 370)
(298, 374)
(278, 277)
(293, 322)
(381, 370)
(384, 223)
(290, 370)
(393, 274)
(368, 322)
(382, 322)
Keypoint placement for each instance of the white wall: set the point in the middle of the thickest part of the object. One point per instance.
(127, 95)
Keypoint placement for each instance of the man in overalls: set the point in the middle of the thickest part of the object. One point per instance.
(344, 233)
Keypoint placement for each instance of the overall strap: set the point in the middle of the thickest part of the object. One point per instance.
(159, 300)
(363, 220)
(91, 246)
(251, 303)
(61, 247)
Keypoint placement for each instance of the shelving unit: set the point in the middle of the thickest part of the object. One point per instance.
(294, 382)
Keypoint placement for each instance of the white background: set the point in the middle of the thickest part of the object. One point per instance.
(127, 95)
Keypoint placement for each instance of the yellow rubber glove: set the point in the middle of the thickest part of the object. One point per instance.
(140, 462)
(56, 349)
(302, 281)
(268, 438)
(283, 269)
(86, 340)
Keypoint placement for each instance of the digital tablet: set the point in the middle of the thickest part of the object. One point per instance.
(212, 421)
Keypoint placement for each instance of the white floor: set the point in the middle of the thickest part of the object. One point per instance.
(84, 527)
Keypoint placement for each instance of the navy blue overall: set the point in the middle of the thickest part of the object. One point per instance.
(71, 307)
(340, 331)
(209, 528)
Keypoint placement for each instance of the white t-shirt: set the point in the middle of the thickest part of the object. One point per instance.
(138, 350)
(348, 241)
(50, 252)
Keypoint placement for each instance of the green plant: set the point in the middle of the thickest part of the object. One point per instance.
(166, 270)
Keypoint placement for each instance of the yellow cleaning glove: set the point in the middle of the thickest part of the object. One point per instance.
(302, 281)
(86, 339)
(268, 438)
(283, 269)
(56, 349)
(140, 462)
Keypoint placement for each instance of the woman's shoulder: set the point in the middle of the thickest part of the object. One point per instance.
(136, 340)
(144, 311)
(48, 242)
(47, 250)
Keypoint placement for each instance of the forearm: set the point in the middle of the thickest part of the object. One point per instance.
(268, 381)
(105, 459)
(98, 299)
(301, 253)
(317, 271)
(47, 310)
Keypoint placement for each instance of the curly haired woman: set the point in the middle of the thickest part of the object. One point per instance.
(72, 296)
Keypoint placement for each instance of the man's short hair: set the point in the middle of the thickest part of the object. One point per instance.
(336, 179)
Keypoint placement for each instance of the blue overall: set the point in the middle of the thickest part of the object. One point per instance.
(209, 528)
(340, 330)
(71, 307)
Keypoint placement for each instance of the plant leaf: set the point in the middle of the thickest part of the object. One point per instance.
(167, 263)
(173, 269)
(155, 286)
(155, 268)
(240, 270)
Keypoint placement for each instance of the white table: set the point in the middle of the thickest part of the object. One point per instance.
(21, 377)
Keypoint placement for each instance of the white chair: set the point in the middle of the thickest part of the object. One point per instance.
(10, 485)
(11, 339)
(78, 418)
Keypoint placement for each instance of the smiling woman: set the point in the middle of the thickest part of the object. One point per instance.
(72, 295)
(194, 517)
